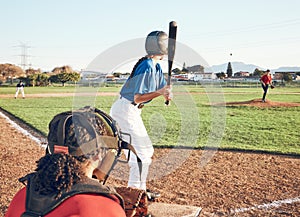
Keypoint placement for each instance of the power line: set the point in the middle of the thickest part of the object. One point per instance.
(24, 55)
(255, 28)
(255, 44)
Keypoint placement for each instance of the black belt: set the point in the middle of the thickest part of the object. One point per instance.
(140, 105)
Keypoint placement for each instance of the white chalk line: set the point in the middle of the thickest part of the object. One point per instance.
(274, 204)
(22, 130)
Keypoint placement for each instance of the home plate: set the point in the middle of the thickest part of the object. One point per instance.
(172, 210)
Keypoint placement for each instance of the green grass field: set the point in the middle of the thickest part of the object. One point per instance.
(190, 120)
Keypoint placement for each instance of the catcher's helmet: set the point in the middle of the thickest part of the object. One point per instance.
(156, 43)
(87, 132)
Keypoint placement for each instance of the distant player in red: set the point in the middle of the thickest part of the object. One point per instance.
(266, 81)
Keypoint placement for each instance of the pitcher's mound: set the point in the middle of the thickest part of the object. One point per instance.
(259, 103)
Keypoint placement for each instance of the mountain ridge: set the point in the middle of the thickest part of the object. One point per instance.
(241, 66)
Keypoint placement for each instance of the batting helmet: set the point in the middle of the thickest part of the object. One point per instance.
(156, 43)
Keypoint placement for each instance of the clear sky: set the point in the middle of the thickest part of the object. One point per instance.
(72, 32)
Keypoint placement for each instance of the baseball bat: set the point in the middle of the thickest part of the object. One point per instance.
(171, 50)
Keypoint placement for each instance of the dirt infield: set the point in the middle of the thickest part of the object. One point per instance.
(230, 184)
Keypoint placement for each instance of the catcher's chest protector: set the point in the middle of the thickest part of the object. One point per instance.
(39, 205)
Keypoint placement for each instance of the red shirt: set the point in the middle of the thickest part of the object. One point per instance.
(266, 79)
(80, 205)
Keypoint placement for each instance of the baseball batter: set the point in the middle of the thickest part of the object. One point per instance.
(145, 83)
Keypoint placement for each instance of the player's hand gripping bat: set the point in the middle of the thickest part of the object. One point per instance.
(171, 50)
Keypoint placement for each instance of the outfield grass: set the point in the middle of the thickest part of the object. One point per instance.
(56, 89)
(189, 120)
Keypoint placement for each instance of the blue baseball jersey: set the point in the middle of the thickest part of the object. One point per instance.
(147, 78)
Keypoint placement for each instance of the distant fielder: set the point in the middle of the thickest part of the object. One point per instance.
(20, 87)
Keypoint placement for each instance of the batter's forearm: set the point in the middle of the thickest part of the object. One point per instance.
(140, 98)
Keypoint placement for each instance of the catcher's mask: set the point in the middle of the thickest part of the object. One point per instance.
(157, 43)
(87, 132)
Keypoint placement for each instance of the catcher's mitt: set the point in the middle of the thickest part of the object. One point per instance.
(136, 201)
(272, 86)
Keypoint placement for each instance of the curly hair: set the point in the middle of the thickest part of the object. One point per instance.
(56, 173)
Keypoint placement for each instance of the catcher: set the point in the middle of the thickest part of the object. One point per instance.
(82, 145)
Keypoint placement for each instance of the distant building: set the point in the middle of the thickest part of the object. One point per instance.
(182, 77)
(124, 76)
(204, 76)
(278, 75)
(241, 74)
(91, 75)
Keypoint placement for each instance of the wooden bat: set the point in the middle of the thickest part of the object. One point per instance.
(171, 50)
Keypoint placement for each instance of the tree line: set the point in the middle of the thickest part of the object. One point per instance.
(35, 77)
